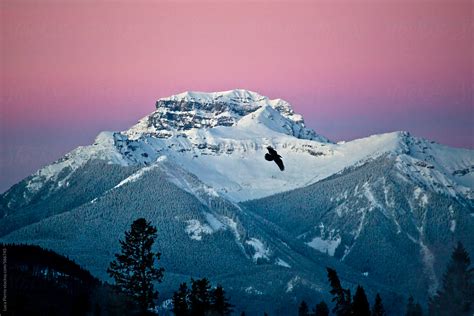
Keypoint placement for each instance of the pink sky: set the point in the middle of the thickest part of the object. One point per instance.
(352, 68)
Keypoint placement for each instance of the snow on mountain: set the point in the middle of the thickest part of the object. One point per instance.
(212, 135)
(103, 148)
(200, 156)
(192, 110)
(214, 155)
(261, 252)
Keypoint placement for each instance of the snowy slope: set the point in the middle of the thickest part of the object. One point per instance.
(215, 149)
(103, 148)
(222, 137)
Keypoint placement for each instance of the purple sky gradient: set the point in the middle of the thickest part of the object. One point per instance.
(352, 68)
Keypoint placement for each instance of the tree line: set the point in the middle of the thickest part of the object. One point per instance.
(344, 303)
(456, 294)
(41, 282)
(455, 297)
(200, 300)
(135, 273)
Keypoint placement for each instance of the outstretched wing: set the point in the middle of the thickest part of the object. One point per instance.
(272, 151)
(279, 162)
(268, 157)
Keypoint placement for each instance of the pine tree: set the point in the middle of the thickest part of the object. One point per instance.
(200, 298)
(360, 304)
(378, 309)
(321, 309)
(413, 309)
(180, 300)
(410, 306)
(303, 309)
(219, 303)
(133, 269)
(418, 310)
(342, 296)
(456, 296)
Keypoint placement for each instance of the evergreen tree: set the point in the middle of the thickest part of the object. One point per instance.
(180, 300)
(133, 269)
(377, 309)
(410, 306)
(200, 298)
(413, 309)
(342, 296)
(303, 309)
(418, 310)
(321, 309)
(360, 304)
(456, 296)
(219, 303)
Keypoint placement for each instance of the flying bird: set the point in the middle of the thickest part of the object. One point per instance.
(274, 156)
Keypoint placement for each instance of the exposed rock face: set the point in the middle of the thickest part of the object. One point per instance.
(195, 110)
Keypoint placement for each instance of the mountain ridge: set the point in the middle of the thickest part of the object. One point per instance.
(202, 160)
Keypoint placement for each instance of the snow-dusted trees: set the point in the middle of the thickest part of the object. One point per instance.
(134, 268)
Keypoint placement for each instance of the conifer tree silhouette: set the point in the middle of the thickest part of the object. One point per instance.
(378, 309)
(413, 309)
(200, 297)
(220, 303)
(180, 300)
(134, 268)
(360, 304)
(456, 296)
(342, 297)
(303, 309)
(321, 309)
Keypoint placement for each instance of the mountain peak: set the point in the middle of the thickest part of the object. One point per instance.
(203, 110)
(238, 101)
(236, 95)
(204, 105)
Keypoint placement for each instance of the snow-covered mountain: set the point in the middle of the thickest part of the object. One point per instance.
(195, 167)
(212, 135)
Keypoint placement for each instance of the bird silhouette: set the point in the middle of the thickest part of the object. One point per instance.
(274, 156)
